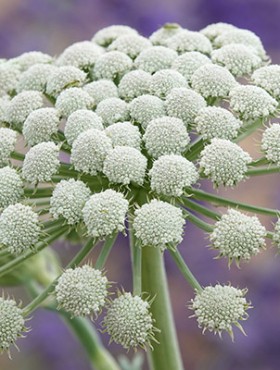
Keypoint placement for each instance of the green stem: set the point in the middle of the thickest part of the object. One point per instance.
(38, 193)
(220, 201)
(195, 149)
(100, 358)
(248, 129)
(166, 355)
(105, 251)
(186, 272)
(198, 222)
(17, 156)
(259, 162)
(75, 261)
(200, 209)
(263, 171)
(43, 244)
(136, 259)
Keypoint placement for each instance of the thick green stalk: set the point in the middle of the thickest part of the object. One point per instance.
(165, 355)
(263, 170)
(198, 222)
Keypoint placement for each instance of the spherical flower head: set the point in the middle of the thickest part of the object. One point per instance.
(216, 122)
(166, 135)
(271, 143)
(4, 103)
(185, 104)
(217, 308)
(159, 224)
(40, 125)
(11, 187)
(28, 59)
(9, 75)
(216, 29)
(8, 140)
(101, 89)
(63, 77)
(276, 234)
(170, 174)
(112, 110)
(79, 121)
(81, 55)
(252, 102)
(12, 323)
(131, 45)
(22, 105)
(68, 200)
(165, 80)
(35, 78)
(268, 78)
(145, 108)
(185, 40)
(125, 165)
(161, 35)
(134, 84)
(129, 322)
(214, 81)
(107, 35)
(41, 162)
(155, 58)
(124, 134)
(241, 36)
(224, 162)
(73, 99)
(89, 151)
(104, 213)
(112, 66)
(239, 59)
(238, 236)
(19, 228)
(82, 291)
(189, 62)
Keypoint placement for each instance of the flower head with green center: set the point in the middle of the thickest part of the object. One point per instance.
(217, 308)
(82, 291)
(129, 322)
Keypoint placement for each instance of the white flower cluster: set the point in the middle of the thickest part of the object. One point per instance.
(68, 200)
(19, 228)
(238, 236)
(217, 308)
(129, 322)
(12, 323)
(159, 224)
(120, 124)
(82, 291)
(104, 213)
(224, 162)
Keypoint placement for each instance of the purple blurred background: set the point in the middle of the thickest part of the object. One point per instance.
(50, 26)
